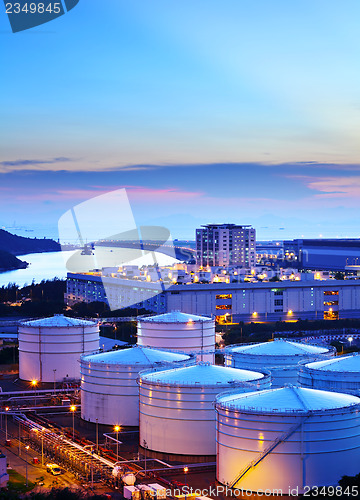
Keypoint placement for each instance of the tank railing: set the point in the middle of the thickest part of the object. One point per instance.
(235, 384)
(229, 348)
(22, 322)
(280, 411)
(267, 451)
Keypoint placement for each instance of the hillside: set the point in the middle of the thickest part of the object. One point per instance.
(19, 245)
(9, 262)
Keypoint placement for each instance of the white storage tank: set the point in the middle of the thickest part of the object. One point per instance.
(287, 438)
(340, 374)
(50, 348)
(281, 357)
(109, 391)
(177, 330)
(177, 414)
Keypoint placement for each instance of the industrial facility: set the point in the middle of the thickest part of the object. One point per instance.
(177, 413)
(282, 357)
(287, 438)
(50, 348)
(179, 331)
(109, 392)
(340, 374)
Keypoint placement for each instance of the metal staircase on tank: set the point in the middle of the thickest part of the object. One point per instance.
(267, 451)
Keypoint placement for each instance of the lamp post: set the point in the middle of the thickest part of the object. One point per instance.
(97, 436)
(42, 446)
(6, 433)
(145, 448)
(186, 469)
(117, 429)
(73, 410)
(34, 384)
(26, 465)
(19, 438)
(350, 339)
(54, 370)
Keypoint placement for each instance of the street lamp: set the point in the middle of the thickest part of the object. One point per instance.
(54, 370)
(145, 448)
(73, 410)
(34, 384)
(186, 469)
(42, 446)
(350, 339)
(117, 429)
(26, 465)
(6, 433)
(97, 436)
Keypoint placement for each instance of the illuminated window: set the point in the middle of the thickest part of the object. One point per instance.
(223, 307)
(224, 296)
(331, 303)
(332, 292)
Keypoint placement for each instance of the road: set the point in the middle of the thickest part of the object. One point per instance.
(37, 473)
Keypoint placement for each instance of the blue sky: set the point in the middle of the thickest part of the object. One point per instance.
(205, 110)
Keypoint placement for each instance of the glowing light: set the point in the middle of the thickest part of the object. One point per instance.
(254, 314)
(290, 312)
(34, 383)
(186, 469)
(73, 408)
(117, 428)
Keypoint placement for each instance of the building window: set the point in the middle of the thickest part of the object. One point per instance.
(224, 296)
(331, 303)
(278, 302)
(223, 307)
(332, 292)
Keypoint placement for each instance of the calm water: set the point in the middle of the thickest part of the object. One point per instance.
(46, 266)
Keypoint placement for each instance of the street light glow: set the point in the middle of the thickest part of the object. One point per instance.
(117, 428)
(34, 383)
(73, 408)
(186, 469)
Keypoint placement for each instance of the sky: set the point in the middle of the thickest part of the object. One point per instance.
(205, 111)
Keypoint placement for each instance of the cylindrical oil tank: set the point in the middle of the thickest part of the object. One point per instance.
(287, 438)
(50, 348)
(177, 414)
(109, 391)
(281, 357)
(180, 331)
(340, 374)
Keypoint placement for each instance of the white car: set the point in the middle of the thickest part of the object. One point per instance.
(53, 469)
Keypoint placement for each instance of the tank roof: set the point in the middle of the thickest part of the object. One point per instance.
(338, 364)
(175, 317)
(136, 355)
(203, 374)
(288, 399)
(58, 321)
(279, 347)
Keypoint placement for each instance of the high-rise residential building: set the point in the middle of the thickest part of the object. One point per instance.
(226, 245)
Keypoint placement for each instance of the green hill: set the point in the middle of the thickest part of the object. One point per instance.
(19, 245)
(9, 262)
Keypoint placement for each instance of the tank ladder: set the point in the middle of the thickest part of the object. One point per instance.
(267, 451)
